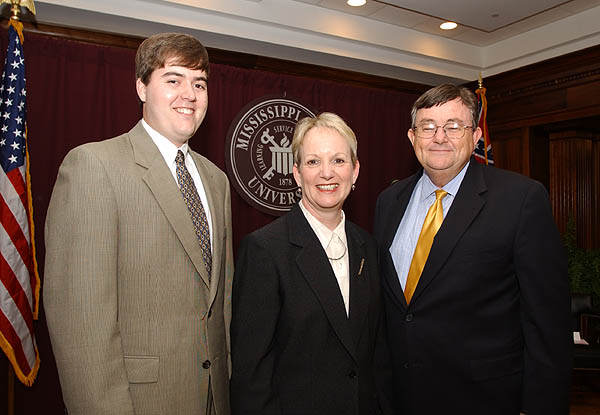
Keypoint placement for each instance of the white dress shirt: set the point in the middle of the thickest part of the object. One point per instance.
(169, 152)
(407, 235)
(335, 245)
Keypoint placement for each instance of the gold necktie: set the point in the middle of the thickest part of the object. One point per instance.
(433, 221)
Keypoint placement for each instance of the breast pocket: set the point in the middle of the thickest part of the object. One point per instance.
(142, 369)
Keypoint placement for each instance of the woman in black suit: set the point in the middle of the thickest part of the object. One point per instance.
(306, 325)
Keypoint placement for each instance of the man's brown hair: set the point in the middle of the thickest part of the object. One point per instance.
(175, 48)
(441, 94)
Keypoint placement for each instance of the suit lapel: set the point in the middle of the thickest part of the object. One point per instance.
(160, 180)
(316, 269)
(359, 281)
(467, 204)
(398, 208)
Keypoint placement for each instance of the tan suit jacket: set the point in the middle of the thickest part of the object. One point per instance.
(136, 326)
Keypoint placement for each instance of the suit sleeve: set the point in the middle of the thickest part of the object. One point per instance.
(541, 269)
(256, 307)
(383, 367)
(80, 288)
(228, 246)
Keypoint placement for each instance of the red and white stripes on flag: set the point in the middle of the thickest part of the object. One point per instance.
(19, 280)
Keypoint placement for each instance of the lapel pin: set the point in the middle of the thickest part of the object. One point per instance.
(362, 262)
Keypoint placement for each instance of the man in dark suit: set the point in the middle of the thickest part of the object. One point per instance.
(477, 313)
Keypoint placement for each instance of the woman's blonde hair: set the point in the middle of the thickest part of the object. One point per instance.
(323, 120)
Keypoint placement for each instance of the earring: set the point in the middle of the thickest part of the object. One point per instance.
(353, 186)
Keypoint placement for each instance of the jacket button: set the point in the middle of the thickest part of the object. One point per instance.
(409, 317)
(352, 374)
(206, 364)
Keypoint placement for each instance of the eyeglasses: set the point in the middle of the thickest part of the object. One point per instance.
(451, 129)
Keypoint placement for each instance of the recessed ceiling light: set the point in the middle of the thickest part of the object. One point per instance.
(448, 26)
(356, 3)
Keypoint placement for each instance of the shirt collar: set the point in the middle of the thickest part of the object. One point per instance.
(428, 188)
(323, 232)
(166, 147)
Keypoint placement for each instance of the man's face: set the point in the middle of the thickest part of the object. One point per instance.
(175, 101)
(442, 157)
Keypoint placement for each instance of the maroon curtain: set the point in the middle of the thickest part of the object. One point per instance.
(79, 92)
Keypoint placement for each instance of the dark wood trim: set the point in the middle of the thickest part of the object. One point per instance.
(568, 69)
(82, 35)
(545, 118)
(238, 59)
(557, 89)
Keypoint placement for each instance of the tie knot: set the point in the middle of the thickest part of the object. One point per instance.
(179, 158)
(440, 194)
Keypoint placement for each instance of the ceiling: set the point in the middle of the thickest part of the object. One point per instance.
(481, 22)
(394, 38)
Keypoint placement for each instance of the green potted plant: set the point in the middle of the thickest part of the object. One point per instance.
(584, 266)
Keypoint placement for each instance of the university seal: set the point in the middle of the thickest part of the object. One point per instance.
(259, 153)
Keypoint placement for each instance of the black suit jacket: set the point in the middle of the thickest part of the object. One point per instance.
(294, 349)
(487, 330)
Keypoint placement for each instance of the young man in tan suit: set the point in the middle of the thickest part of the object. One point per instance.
(138, 255)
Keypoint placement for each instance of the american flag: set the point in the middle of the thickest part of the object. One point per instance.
(19, 280)
(483, 149)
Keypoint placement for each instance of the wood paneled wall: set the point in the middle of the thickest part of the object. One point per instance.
(571, 185)
(544, 122)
